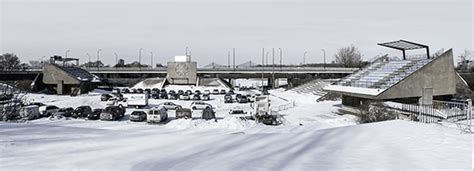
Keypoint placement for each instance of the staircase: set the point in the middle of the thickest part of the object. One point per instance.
(314, 87)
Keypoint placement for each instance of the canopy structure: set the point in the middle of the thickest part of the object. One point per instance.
(404, 45)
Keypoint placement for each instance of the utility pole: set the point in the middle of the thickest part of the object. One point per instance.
(324, 59)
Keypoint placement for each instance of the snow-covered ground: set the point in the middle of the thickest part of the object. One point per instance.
(312, 137)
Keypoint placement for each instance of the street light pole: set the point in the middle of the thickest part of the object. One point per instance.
(233, 58)
(98, 58)
(151, 60)
(228, 59)
(116, 60)
(89, 65)
(67, 52)
(280, 58)
(140, 58)
(263, 62)
(304, 57)
(324, 58)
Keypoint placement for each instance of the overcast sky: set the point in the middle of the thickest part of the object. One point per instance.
(210, 28)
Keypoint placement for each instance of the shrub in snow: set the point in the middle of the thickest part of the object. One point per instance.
(374, 112)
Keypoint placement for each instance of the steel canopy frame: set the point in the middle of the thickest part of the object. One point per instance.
(404, 45)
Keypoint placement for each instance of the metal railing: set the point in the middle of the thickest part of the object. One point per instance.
(438, 111)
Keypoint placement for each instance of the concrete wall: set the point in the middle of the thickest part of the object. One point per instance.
(439, 75)
(53, 75)
(182, 72)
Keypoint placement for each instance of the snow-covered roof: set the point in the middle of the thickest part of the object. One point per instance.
(356, 90)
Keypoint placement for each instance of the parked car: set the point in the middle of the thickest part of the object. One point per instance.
(125, 90)
(198, 92)
(155, 91)
(222, 91)
(208, 114)
(115, 91)
(188, 92)
(112, 113)
(133, 90)
(64, 112)
(242, 99)
(30, 112)
(155, 95)
(206, 92)
(169, 105)
(231, 92)
(206, 97)
(215, 92)
(105, 97)
(147, 91)
(163, 94)
(228, 98)
(237, 112)
(185, 113)
(138, 116)
(196, 97)
(95, 114)
(81, 112)
(48, 110)
(184, 97)
(172, 92)
(156, 115)
(200, 105)
(180, 92)
(173, 96)
(139, 90)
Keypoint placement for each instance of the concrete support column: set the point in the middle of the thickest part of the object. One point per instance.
(60, 88)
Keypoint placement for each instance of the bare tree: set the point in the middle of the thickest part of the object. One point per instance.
(36, 64)
(349, 56)
(9, 61)
(464, 61)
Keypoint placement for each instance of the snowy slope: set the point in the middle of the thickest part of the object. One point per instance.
(86, 145)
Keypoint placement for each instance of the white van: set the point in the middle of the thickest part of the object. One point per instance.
(30, 112)
(156, 114)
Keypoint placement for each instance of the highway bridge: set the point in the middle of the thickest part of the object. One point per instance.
(250, 72)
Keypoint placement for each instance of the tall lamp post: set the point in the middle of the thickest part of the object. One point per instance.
(98, 58)
(304, 57)
(151, 59)
(140, 58)
(324, 51)
(89, 65)
(280, 58)
(116, 60)
(67, 51)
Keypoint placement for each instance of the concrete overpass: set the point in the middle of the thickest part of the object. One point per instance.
(251, 72)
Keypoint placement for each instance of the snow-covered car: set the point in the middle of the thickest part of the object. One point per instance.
(64, 112)
(112, 113)
(95, 114)
(206, 97)
(48, 110)
(138, 116)
(105, 97)
(81, 112)
(228, 98)
(200, 105)
(157, 115)
(185, 113)
(30, 112)
(184, 97)
(208, 114)
(231, 92)
(196, 97)
(215, 92)
(188, 92)
(242, 99)
(206, 92)
(169, 105)
(237, 112)
(222, 91)
(198, 92)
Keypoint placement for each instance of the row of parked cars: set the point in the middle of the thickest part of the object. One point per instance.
(156, 93)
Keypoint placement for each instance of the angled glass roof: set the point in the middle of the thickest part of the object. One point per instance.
(404, 45)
